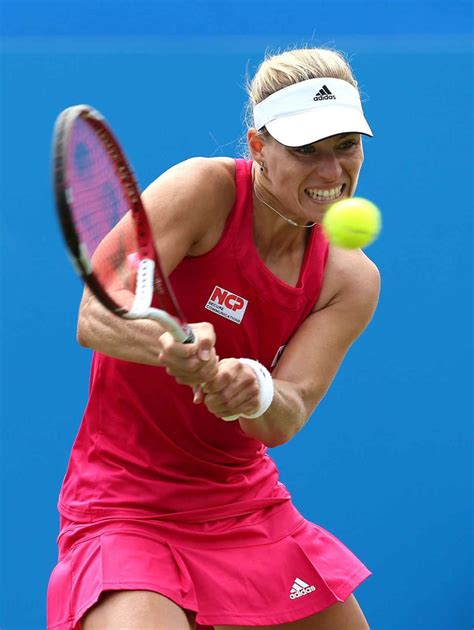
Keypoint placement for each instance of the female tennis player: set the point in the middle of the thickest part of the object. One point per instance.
(172, 512)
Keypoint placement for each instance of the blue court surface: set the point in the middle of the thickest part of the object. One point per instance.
(386, 461)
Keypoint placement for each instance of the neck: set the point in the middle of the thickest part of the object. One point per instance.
(291, 222)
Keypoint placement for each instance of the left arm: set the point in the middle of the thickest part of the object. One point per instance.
(310, 361)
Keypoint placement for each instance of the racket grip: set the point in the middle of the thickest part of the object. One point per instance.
(182, 333)
(190, 337)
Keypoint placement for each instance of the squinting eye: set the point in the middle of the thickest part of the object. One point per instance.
(348, 144)
(305, 150)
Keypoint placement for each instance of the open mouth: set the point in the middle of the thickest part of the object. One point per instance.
(325, 196)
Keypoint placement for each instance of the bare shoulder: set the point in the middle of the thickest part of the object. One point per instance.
(350, 279)
(351, 268)
(197, 180)
(188, 205)
(216, 171)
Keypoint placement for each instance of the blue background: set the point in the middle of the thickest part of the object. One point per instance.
(386, 461)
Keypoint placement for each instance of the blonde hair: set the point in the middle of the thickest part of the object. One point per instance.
(292, 66)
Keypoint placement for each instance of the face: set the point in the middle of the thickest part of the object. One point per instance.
(304, 181)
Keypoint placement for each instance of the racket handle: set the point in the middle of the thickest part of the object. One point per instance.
(190, 337)
(181, 332)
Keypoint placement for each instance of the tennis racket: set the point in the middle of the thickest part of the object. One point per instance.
(105, 225)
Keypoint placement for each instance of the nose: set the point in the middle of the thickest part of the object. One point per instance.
(328, 167)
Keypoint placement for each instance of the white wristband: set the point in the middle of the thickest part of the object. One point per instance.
(265, 385)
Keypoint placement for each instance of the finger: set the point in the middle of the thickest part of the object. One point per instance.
(198, 395)
(232, 396)
(230, 371)
(172, 348)
(204, 351)
(237, 406)
(206, 339)
(193, 372)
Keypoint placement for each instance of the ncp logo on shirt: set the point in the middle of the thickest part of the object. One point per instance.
(227, 304)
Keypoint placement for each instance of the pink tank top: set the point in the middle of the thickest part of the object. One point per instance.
(143, 449)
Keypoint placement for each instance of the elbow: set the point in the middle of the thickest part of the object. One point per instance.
(286, 432)
(280, 438)
(81, 338)
(82, 333)
(83, 330)
(273, 442)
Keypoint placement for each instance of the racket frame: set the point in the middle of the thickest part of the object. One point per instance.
(151, 280)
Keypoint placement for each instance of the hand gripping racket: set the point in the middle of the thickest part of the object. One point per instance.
(105, 225)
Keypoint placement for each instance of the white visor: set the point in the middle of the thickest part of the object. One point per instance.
(311, 110)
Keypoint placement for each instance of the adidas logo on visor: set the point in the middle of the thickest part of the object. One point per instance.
(324, 94)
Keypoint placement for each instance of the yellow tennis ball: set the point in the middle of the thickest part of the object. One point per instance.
(352, 223)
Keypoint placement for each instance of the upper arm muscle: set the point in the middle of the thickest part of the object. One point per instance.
(187, 204)
(315, 352)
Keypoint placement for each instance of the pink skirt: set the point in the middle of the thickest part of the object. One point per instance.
(269, 568)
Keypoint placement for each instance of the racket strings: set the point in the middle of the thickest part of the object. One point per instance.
(99, 204)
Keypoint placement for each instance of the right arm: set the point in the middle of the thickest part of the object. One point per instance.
(135, 340)
(187, 208)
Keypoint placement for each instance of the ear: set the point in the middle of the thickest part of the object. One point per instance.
(256, 144)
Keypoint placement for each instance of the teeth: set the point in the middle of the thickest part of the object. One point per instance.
(329, 195)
